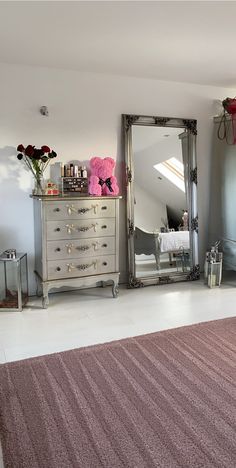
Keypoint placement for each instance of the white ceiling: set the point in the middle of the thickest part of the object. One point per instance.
(147, 138)
(189, 41)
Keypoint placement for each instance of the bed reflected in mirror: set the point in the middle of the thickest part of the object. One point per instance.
(161, 230)
(162, 221)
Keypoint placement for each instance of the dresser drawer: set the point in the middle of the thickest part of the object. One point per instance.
(80, 209)
(75, 229)
(84, 267)
(64, 249)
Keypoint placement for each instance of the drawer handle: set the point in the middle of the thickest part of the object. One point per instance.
(58, 269)
(83, 210)
(104, 245)
(58, 249)
(70, 267)
(86, 228)
(57, 209)
(58, 229)
(83, 247)
(104, 207)
(104, 226)
(87, 247)
(70, 209)
(105, 263)
(69, 248)
(70, 228)
(86, 266)
(95, 208)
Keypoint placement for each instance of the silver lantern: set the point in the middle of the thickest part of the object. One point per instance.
(13, 280)
(213, 267)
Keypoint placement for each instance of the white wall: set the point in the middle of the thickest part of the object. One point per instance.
(148, 210)
(85, 120)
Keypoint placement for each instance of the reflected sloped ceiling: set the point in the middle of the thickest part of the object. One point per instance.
(151, 146)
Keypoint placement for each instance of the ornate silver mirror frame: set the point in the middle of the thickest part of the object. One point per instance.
(190, 170)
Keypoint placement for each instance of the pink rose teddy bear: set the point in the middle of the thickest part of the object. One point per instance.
(101, 181)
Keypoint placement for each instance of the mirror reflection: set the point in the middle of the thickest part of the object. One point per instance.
(161, 215)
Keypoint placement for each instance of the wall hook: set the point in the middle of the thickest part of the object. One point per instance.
(44, 111)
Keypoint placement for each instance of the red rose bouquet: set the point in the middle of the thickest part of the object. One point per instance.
(36, 159)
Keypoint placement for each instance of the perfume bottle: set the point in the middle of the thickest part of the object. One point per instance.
(84, 172)
(76, 170)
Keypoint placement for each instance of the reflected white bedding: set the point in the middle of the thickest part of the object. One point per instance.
(172, 241)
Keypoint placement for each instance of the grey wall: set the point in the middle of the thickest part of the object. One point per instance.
(84, 121)
(148, 211)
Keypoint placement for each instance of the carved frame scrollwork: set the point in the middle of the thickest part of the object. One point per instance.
(194, 224)
(135, 282)
(189, 127)
(165, 280)
(161, 121)
(131, 227)
(129, 176)
(131, 119)
(194, 273)
(193, 175)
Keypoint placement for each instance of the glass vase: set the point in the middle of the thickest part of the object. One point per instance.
(38, 186)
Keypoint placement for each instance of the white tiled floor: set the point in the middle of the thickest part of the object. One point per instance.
(80, 318)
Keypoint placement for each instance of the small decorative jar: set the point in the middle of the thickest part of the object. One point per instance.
(213, 267)
(51, 189)
(13, 281)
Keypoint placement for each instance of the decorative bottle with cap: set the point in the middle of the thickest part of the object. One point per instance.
(84, 172)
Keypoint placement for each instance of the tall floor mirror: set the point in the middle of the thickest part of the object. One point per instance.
(162, 220)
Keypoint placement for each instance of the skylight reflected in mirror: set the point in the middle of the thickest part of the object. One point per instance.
(173, 170)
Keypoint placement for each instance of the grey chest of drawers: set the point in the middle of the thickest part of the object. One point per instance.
(76, 242)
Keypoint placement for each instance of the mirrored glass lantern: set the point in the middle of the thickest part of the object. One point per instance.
(13, 281)
(182, 259)
(213, 269)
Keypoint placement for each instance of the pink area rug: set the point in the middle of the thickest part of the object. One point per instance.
(167, 399)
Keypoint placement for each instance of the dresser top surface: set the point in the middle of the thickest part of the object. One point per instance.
(73, 197)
